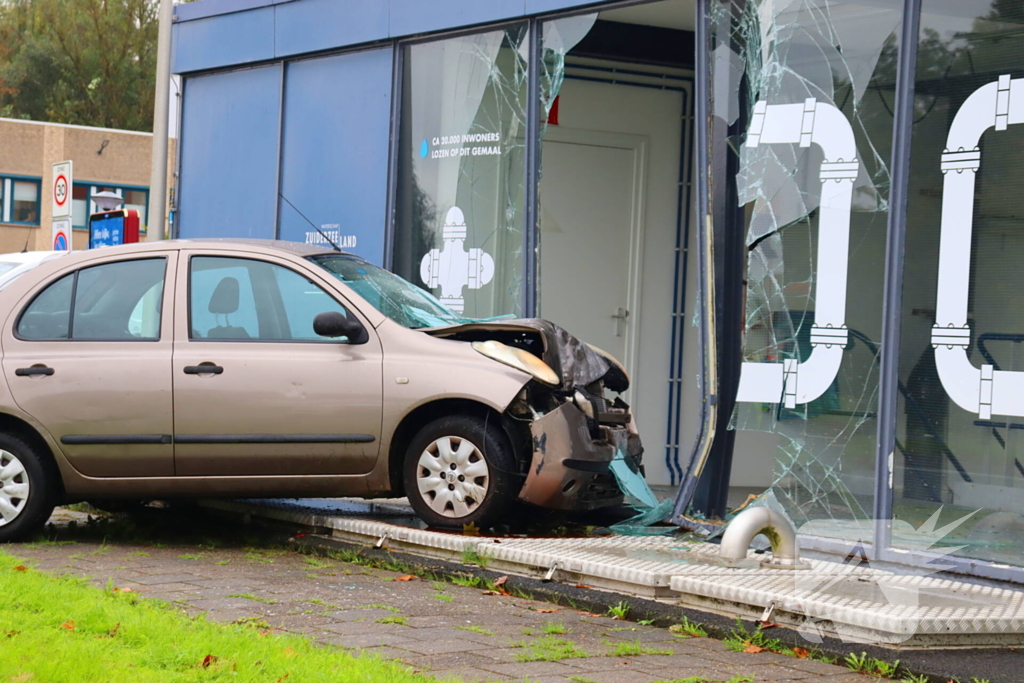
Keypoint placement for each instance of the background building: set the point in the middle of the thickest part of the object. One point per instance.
(551, 157)
(104, 159)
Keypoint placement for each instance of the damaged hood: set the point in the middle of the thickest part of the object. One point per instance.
(577, 363)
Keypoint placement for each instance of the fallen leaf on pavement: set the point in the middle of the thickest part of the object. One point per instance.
(124, 590)
(545, 611)
(406, 577)
(766, 624)
(207, 661)
(582, 585)
(590, 614)
(20, 568)
(801, 653)
(492, 593)
(753, 649)
(501, 581)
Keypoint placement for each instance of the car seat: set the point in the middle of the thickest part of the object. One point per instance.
(225, 302)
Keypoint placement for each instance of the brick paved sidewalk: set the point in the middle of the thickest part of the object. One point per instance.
(440, 628)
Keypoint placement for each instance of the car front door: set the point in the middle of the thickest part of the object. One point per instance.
(88, 354)
(256, 391)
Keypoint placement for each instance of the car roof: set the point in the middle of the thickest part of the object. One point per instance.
(255, 245)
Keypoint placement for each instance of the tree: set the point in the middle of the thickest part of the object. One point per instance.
(86, 62)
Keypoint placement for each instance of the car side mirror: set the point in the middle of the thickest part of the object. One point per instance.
(334, 324)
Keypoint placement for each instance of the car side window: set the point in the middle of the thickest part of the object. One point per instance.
(118, 301)
(245, 299)
(48, 317)
(106, 296)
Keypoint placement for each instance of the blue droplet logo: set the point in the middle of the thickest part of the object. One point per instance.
(424, 149)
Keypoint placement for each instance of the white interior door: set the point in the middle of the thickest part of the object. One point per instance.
(591, 232)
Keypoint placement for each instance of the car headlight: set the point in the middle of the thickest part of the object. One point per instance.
(518, 359)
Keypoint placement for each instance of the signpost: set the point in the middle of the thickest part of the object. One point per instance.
(63, 181)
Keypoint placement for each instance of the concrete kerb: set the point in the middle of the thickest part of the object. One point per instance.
(959, 664)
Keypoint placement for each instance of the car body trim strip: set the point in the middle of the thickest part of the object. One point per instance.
(272, 438)
(114, 439)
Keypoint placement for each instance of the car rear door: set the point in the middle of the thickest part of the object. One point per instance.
(87, 353)
(256, 392)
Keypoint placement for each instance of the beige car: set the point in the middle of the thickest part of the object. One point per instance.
(248, 368)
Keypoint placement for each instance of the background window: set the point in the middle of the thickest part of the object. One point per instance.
(243, 299)
(80, 206)
(461, 173)
(960, 447)
(25, 208)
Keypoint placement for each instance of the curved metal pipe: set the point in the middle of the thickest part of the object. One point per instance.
(762, 521)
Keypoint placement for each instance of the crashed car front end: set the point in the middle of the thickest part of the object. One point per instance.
(567, 429)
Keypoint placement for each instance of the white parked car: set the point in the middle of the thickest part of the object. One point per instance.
(13, 265)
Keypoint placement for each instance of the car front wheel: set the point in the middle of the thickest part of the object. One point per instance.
(26, 490)
(461, 470)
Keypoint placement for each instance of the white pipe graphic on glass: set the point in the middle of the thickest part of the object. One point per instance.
(983, 390)
(812, 122)
(452, 267)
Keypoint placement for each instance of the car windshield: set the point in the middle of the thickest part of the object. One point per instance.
(398, 299)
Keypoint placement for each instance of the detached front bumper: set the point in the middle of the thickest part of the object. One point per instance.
(569, 469)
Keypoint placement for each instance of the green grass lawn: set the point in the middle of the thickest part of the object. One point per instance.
(62, 630)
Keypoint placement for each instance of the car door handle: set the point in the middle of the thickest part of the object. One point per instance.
(34, 370)
(204, 369)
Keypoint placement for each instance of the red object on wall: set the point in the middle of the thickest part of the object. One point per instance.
(553, 114)
(131, 226)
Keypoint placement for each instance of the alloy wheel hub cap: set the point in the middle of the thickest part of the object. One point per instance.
(452, 476)
(14, 487)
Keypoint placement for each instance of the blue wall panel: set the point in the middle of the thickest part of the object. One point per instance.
(225, 40)
(335, 150)
(324, 24)
(216, 33)
(415, 16)
(209, 8)
(538, 6)
(229, 154)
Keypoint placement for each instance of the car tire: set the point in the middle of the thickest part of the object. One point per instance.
(461, 470)
(28, 492)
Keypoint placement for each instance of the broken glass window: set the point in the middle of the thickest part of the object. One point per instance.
(802, 98)
(459, 214)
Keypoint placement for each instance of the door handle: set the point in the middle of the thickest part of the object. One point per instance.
(619, 317)
(203, 369)
(34, 370)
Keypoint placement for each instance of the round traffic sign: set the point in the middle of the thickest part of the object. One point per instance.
(60, 190)
(60, 242)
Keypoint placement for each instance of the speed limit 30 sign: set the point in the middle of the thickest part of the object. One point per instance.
(61, 189)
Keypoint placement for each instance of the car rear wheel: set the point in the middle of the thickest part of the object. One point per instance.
(26, 490)
(461, 470)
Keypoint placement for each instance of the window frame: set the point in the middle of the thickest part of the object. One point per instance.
(8, 199)
(349, 308)
(15, 332)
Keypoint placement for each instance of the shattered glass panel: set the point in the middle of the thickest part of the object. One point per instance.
(803, 105)
(459, 214)
(960, 436)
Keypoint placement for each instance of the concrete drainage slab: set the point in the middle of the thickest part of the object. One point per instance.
(871, 607)
(830, 598)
